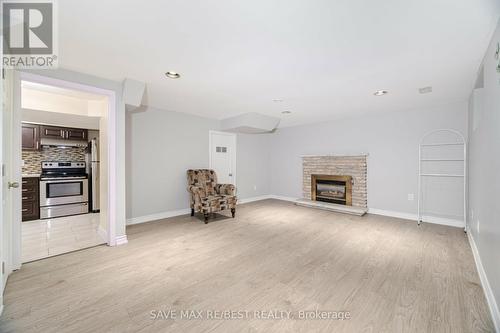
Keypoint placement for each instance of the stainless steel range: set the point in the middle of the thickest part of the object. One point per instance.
(63, 189)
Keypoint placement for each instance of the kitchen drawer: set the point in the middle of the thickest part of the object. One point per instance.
(30, 181)
(30, 210)
(30, 196)
(29, 188)
(30, 184)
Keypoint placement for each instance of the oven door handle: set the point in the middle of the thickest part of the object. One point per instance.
(65, 180)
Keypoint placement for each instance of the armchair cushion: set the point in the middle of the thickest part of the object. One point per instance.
(216, 203)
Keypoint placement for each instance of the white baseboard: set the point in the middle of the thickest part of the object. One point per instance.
(413, 217)
(400, 215)
(283, 198)
(158, 216)
(488, 292)
(265, 197)
(252, 199)
(406, 216)
(172, 213)
(121, 240)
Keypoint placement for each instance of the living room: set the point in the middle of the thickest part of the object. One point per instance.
(275, 166)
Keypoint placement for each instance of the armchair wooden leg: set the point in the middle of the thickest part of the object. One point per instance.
(206, 215)
(233, 212)
(192, 211)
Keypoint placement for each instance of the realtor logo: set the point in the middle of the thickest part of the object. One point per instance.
(29, 34)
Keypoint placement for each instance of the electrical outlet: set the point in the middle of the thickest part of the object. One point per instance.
(478, 230)
(255, 187)
(411, 196)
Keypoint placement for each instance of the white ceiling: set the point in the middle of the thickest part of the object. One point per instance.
(323, 58)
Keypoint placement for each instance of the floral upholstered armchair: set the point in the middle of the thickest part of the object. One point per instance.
(207, 196)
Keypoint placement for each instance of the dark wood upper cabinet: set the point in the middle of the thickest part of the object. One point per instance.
(76, 134)
(31, 134)
(52, 132)
(30, 137)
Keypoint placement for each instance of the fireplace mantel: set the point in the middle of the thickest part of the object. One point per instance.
(354, 166)
(337, 155)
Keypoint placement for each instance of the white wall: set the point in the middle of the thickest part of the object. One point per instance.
(252, 163)
(59, 119)
(484, 177)
(161, 146)
(390, 139)
(50, 102)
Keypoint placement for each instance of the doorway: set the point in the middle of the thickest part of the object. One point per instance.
(62, 131)
(72, 132)
(222, 156)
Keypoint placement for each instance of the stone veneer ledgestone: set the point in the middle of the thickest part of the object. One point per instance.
(33, 159)
(354, 166)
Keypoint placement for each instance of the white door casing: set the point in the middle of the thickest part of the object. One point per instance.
(110, 212)
(222, 156)
(10, 181)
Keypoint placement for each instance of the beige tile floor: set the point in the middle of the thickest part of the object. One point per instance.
(50, 237)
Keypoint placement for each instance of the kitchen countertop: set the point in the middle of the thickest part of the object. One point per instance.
(30, 175)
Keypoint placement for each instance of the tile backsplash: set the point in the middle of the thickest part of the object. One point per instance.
(33, 159)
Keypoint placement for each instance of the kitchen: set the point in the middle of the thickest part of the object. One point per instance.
(61, 171)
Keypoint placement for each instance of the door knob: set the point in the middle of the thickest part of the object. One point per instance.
(230, 175)
(13, 185)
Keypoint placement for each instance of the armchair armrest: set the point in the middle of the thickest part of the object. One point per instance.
(226, 189)
(196, 190)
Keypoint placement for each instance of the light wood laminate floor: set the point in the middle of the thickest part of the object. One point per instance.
(391, 275)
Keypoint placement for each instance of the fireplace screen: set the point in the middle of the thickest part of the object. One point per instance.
(330, 191)
(333, 189)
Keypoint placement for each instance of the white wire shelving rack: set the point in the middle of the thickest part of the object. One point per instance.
(463, 160)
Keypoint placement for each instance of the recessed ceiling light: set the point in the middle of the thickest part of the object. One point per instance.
(277, 100)
(286, 112)
(425, 90)
(172, 75)
(380, 92)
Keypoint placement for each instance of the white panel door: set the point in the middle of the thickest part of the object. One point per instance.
(223, 156)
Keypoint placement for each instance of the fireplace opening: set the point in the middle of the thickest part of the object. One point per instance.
(332, 188)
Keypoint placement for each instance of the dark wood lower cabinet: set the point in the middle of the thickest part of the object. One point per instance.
(30, 198)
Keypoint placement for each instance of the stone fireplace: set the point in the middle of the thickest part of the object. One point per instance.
(332, 188)
(335, 179)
